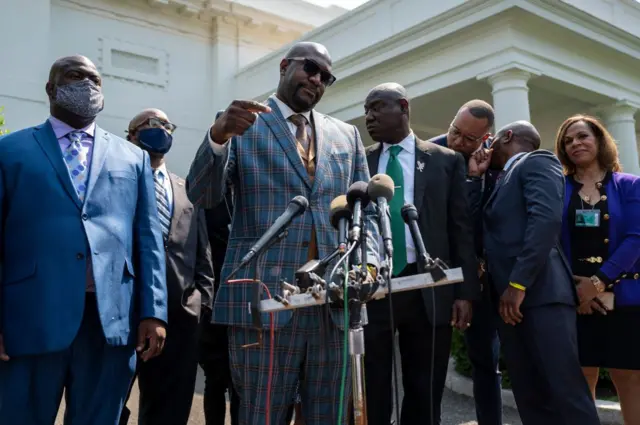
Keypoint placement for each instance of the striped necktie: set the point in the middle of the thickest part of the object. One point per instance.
(163, 204)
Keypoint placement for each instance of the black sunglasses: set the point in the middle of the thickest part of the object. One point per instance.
(312, 68)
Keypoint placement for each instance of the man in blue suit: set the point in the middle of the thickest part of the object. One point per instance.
(83, 267)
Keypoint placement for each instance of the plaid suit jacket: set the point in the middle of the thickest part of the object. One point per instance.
(266, 172)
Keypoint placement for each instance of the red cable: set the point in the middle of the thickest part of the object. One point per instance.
(272, 337)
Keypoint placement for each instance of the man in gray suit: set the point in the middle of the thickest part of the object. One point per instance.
(167, 383)
(433, 179)
(537, 297)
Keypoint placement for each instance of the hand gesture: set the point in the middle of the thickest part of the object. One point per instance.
(236, 119)
(510, 303)
(461, 314)
(479, 162)
(151, 333)
(591, 307)
(585, 288)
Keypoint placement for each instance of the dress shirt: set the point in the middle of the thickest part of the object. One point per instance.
(407, 158)
(61, 131)
(163, 176)
(512, 161)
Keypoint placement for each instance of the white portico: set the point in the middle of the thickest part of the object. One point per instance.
(538, 60)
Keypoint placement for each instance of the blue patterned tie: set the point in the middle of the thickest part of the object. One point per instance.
(75, 156)
(163, 204)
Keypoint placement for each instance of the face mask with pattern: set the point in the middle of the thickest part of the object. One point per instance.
(83, 98)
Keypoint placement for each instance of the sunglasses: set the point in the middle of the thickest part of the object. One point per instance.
(312, 68)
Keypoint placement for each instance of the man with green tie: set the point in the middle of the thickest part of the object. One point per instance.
(433, 179)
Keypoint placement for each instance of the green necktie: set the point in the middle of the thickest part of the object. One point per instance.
(394, 170)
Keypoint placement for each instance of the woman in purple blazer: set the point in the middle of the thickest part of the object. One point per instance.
(601, 240)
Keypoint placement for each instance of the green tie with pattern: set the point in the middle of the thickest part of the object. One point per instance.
(394, 170)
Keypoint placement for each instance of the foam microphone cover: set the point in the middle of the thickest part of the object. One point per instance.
(409, 212)
(358, 190)
(338, 209)
(381, 186)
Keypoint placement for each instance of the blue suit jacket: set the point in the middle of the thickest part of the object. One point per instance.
(266, 171)
(622, 269)
(47, 235)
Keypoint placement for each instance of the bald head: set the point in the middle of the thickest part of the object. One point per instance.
(388, 91)
(64, 64)
(309, 49)
(144, 116)
(523, 133)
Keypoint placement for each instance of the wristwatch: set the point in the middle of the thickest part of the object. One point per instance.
(598, 283)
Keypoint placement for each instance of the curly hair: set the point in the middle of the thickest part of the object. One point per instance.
(607, 149)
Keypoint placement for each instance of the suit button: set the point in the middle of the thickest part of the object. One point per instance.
(606, 241)
(606, 217)
(85, 217)
(305, 244)
(80, 256)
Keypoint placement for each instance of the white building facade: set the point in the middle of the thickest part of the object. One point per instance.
(539, 60)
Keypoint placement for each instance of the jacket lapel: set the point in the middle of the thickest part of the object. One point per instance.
(285, 138)
(420, 174)
(180, 202)
(323, 149)
(99, 155)
(373, 159)
(47, 140)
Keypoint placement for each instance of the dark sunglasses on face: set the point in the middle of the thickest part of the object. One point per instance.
(312, 68)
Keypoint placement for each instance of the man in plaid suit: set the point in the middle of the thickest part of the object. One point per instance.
(271, 153)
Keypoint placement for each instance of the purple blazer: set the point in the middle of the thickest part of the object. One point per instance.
(623, 196)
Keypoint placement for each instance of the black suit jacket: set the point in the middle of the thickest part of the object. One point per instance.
(189, 267)
(444, 221)
(522, 222)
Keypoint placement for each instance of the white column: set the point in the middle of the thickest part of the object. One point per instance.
(510, 96)
(619, 120)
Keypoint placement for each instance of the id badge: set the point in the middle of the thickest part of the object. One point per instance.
(587, 218)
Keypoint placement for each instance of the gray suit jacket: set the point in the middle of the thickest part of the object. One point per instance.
(522, 221)
(444, 221)
(189, 266)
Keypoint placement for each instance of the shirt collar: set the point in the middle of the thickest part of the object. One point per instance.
(61, 129)
(287, 112)
(512, 160)
(162, 170)
(408, 143)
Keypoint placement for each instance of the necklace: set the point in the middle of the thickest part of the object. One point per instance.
(597, 185)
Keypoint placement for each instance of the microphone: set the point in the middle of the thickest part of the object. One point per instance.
(358, 200)
(410, 217)
(381, 188)
(296, 207)
(339, 216)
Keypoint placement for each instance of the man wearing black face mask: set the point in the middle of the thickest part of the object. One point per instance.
(433, 179)
(82, 260)
(271, 153)
(167, 383)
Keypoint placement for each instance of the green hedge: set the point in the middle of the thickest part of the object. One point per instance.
(2, 129)
(462, 363)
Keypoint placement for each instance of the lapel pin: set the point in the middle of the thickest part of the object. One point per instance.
(420, 166)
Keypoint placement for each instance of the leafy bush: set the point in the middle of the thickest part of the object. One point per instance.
(2, 129)
(605, 389)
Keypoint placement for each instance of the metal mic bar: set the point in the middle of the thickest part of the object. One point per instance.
(400, 284)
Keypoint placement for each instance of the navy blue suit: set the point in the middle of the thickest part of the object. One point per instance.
(57, 334)
(482, 342)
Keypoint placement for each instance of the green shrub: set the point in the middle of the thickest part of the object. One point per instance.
(463, 366)
(2, 129)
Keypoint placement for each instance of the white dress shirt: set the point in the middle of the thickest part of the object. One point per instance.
(407, 158)
(288, 112)
(163, 176)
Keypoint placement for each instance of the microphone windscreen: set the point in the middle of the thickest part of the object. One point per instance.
(358, 190)
(409, 212)
(381, 186)
(338, 209)
(301, 201)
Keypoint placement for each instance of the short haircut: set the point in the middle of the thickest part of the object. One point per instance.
(480, 109)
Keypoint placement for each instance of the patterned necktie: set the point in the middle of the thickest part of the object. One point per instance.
(305, 145)
(163, 204)
(394, 170)
(75, 156)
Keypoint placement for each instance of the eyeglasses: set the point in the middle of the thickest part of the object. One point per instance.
(468, 139)
(158, 123)
(312, 68)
